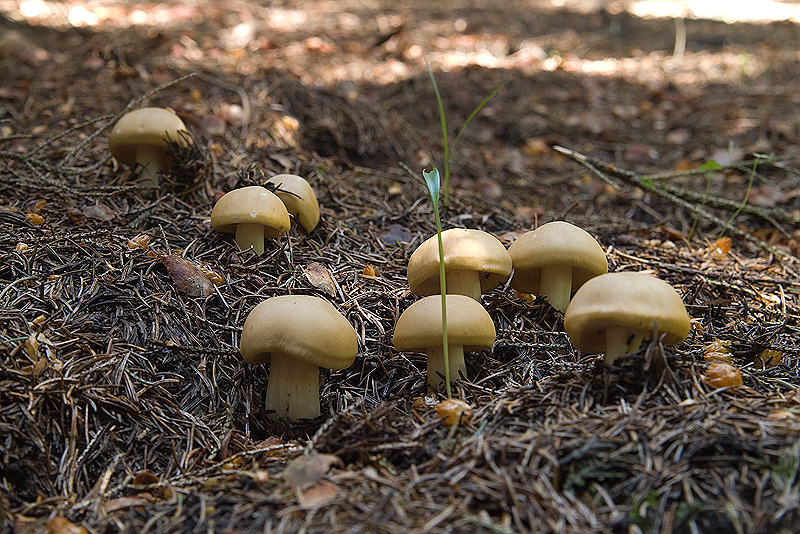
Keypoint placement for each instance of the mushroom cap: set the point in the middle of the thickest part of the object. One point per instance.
(464, 249)
(304, 327)
(250, 205)
(145, 126)
(637, 301)
(468, 324)
(299, 198)
(555, 243)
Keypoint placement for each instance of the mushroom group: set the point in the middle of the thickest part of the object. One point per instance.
(296, 335)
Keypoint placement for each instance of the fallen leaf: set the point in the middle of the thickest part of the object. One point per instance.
(317, 495)
(305, 471)
(99, 212)
(34, 218)
(321, 278)
(720, 248)
(61, 525)
(394, 233)
(370, 271)
(187, 276)
(453, 411)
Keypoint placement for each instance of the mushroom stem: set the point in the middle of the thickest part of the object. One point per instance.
(293, 388)
(458, 369)
(250, 236)
(150, 158)
(463, 282)
(621, 341)
(556, 285)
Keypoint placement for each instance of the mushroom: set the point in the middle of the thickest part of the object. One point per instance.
(297, 334)
(613, 313)
(469, 328)
(554, 261)
(474, 262)
(251, 213)
(299, 198)
(140, 138)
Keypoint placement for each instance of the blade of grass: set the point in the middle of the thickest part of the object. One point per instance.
(432, 180)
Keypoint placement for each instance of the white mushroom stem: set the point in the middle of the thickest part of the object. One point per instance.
(621, 341)
(462, 282)
(293, 388)
(150, 159)
(249, 236)
(458, 369)
(556, 285)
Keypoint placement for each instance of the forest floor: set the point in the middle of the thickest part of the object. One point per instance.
(124, 403)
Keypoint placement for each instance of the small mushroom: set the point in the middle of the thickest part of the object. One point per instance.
(297, 334)
(474, 262)
(613, 313)
(554, 261)
(251, 213)
(299, 198)
(469, 328)
(140, 138)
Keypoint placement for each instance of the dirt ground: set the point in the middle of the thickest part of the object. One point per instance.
(125, 405)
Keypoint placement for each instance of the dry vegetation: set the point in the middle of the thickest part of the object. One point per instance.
(124, 404)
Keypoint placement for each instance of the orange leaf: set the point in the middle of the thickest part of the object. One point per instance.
(723, 375)
(453, 411)
(720, 248)
(60, 525)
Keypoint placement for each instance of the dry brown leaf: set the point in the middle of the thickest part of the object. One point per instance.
(187, 276)
(321, 278)
(98, 212)
(317, 495)
(305, 471)
(723, 375)
(60, 525)
(720, 248)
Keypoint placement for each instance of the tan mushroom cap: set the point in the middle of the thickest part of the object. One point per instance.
(552, 244)
(638, 302)
(299, 198)
(468, 324)
(303, 327)
(146, 127)
(251, 205)
(464, 249)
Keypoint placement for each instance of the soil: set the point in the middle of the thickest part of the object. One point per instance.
(124, 402)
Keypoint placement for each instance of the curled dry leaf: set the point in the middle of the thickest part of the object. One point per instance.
(141, 241)
(720, 248)
(34, 218)
(321, 278)
(187, 276)
(370, 271)
(305, 471)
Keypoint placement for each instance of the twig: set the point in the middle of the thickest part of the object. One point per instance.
(605, 172)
